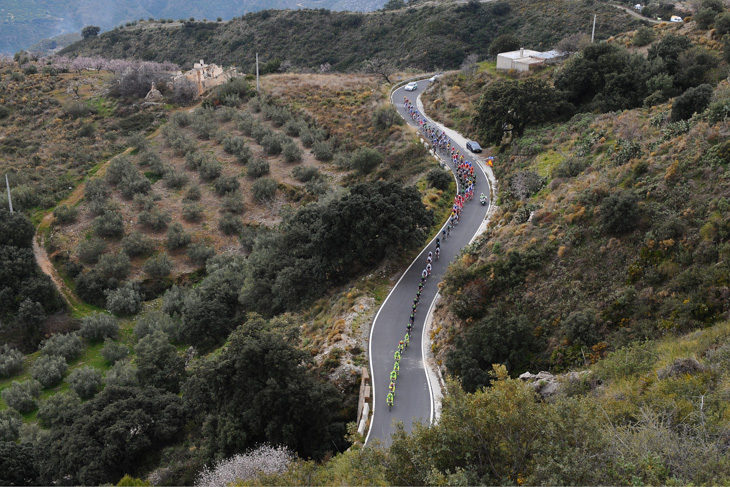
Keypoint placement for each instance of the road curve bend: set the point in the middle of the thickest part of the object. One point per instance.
(414, 398)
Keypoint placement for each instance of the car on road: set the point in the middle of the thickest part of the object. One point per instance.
(473, 146)
(412, 86)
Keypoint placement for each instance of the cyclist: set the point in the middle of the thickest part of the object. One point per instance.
(389, 399)
(438, 242)
(428, 268)
(391, 387)
(438, 252)
(409, 327)
(401, 346)
(407, 339)
(396, 356)
(396, 367)
(424, 274)
(393, 375)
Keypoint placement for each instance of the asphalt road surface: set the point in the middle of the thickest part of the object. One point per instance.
(414, 397)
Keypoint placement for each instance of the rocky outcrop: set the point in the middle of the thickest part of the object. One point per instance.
(681, 367)
(548, 385)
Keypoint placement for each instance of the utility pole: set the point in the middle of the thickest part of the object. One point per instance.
(593, 34)
(257, 72)
(10, 201)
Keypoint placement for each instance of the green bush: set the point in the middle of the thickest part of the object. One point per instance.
(210, 169)
(181, 119)
(233, 202)
(150, 159)
(113, 351)
(322, 150)
(704, 18)
(569, 168)
(136, 244)
(272, 144)
(257, 168)
(66, 345)
(643, 36)
(158, 363)
(122, 374)
(85, 381)
(158, 266)
(365, 160)
(692, 101)
(174, 300)
(157, 321)
(51, 409)
(309, 135)
(439, 179)
(305, 173)
(385, 116)
(64, 214)
(115, 266)
(504, 43)
(10, 423)
(291, 152)
(264, 189)
(722, 24)
(230, 224)
(145, 201)
(193, 193)
(89, 251)
(177, 236)
(49, 370)
(619, 212)
(293, 127)
(175, 179)
(155, 220)
(109, 224)
(97, 327)
(22, 396)
(199, 253)
(226, 185)
(125, 300)
(192, 212)
(11, 361)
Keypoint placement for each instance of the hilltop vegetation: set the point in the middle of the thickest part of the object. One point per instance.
(314, 39)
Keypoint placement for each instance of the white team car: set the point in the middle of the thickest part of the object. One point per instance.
(412, 86)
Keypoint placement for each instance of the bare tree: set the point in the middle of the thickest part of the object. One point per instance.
(379, 66)
(325, 68)
(572, 43)
(469, 65)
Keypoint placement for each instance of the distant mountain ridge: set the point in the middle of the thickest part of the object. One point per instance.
(26, 22)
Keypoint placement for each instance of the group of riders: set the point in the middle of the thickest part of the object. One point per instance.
(465, 175)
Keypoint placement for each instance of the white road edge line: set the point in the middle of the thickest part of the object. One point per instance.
(423, 357)
(372, 328)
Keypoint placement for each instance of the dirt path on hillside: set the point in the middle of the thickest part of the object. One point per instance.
(636, 14)
(39, 249)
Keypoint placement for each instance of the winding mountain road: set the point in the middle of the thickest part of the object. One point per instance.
(414, 398)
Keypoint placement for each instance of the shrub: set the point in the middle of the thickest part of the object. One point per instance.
(134, 185)
(11, 361)
(96, 190)
(157, 321)
(155, 220)
(203, 126)
(305, 173)
(49, 370)
(174, 300)
(67, 345)
(10, 424)
(385, 116)
(365, 160)
(232, 202)
(181, 119)
(85, 381)
(504, 43)
(200, 253)
(580, 326)
(439, 179)
(722, 24)
(136, 244)
(692, 101)
(57, 405)
(144, 201)
(177, 237)
(192, 212)
(643, 36)
(193, 193)
(150, 159)
(193, 160)
(291, 152)
(113, 351)
(322, 150)
(22, 396)
(113, 265)
(109, 224)
(264, 189)
(259, 132)
(230, 224)
(158, 266)
(293, 127)
(619, 212)
(225, 185)
(310, 135)
(569, 168)
(272, 144)
(64, 214)
(97, 327)
(257, 168)
(704, 18)
(175, 179)
(210, 169)
(121, 374)
(125, 300)
(119, 168)
(89, 251)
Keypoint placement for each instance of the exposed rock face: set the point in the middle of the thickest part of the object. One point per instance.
(207, 76)
(681, 366)
(547, 384)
